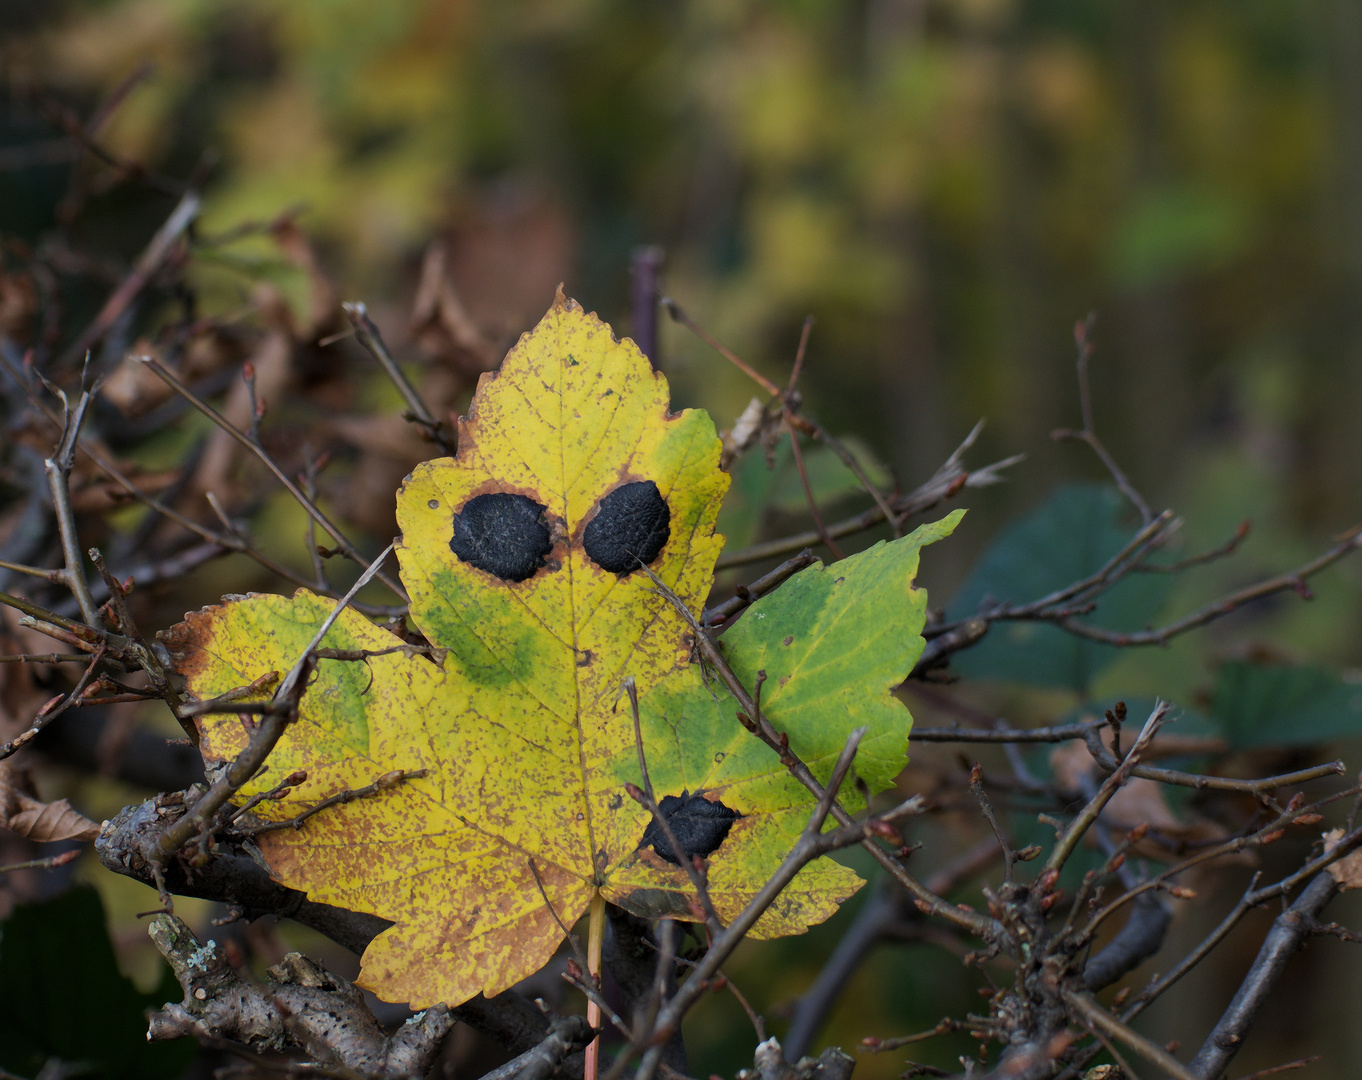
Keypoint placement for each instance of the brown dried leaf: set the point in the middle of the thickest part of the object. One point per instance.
(18, 305)
(441, 323)
(47, 822)
(1348, 870)
(34, 819)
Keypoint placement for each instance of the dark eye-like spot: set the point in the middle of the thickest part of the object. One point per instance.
(699, 826)
(630, 528)
(503, 534)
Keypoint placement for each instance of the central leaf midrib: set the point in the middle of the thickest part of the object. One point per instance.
(570, 527)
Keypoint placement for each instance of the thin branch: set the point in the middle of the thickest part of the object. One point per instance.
(645, 264)
(1083, 340)
(1229, 547)
(1288, 1066)
(58, 469)
(157, 251)
(745, 595)
(948, 481)
(55, 707)
(168, 377)
(367, 334)
(1086, 818)
(229, 540)
(1292, 580)
(828, 541)
(812, 843)
(386, 782)
(49, 863)
(1102, 1021)
(675, 311)
(1288, 933)
(884, 915)
(753, 719)
(976, 787)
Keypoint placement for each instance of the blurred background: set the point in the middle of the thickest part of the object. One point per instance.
(946, 186)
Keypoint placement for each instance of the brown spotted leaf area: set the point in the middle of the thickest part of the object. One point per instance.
(523, 558)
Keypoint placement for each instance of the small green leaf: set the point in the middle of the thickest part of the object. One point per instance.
(834, 643)
(1284, 705)
(1070, 536)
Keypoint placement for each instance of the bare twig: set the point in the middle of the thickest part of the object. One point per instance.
(679, 315)
(1083, 339)
(55, 707)
(49, 863)
(58, 468)
(367, 334)
(349, 549)
(567, 1034)
(1288, 1066)
(812, 843)
(229, 540)
(1291, 581)
(745, 595)
(976, 787)
(301, 1004)
(828, 541)
(644, 267)
(753, 719)
(1101, 1021)
(160, 247)
(1288, 933)
(884, 915)
(948, 481)
(386, 782)
(1065, 845)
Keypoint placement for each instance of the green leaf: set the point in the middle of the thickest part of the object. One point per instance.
(1070, 536)
(1284, 705)
(62, 997)
(834, 642)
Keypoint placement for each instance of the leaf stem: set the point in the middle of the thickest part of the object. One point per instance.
(595, 939)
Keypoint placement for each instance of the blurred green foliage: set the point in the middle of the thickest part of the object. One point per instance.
(79, 1016)
(944, 184)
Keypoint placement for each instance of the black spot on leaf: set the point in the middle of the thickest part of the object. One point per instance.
(630, 528)
(503, 534)
(699, 826)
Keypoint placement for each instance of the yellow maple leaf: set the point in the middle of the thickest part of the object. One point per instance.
(521, 556)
